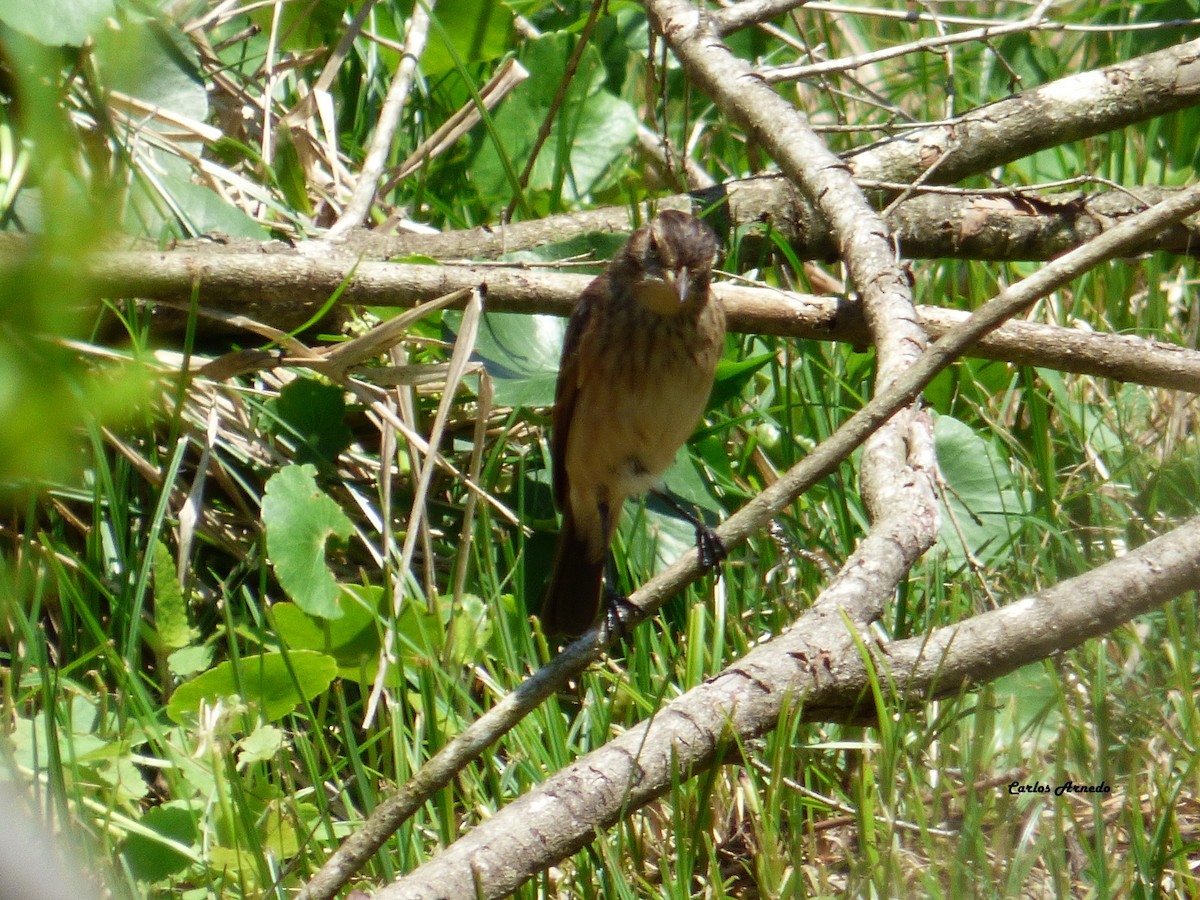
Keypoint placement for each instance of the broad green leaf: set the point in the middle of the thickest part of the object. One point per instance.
(154, 64)
(477, 29)
(982, 510)
(686, 483)
(265, 683)
(733, 375)
(206, 211)
(151, 860)
(591, 131)
(312, 414)
(353, 640)
(261, 745)
(472, 626)
(190, 660)
(57, 23)
(520, 353)
(305, 26)
(299, 518)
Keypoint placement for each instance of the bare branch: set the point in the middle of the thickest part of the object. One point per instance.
(741, 15)
(1068, 109)
(288, 287)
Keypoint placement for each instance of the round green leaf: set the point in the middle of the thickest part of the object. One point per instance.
(314, 413)
(299, 518)
(520, 353)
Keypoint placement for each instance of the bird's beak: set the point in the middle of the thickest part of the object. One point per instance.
(678, 280)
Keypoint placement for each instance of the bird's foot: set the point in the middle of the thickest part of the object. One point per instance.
(619, 613)
(710, 547)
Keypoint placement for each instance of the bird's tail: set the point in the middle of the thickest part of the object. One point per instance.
(573, 597)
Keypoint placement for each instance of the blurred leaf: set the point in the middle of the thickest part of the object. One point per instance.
(151, 860)
(1174, 485)
(478, 30)
(57, 23)
(151, 61)
(982, 509)
(289, 175)
(304, 26)
(261, 745)
(170, 608)
(188, 661)
(299, 518)
(207, 212)
(313, 415)
(590, 132)
(47, 391)
(472, 626)
(265, 683)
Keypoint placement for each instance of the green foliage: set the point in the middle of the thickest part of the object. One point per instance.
(474, 29)
(272, 684)
(299, 518)
(591, 130)
(185, 654)
(983, 513)
(57, 23)
(313, 414)
(520, 353)
(170, 608)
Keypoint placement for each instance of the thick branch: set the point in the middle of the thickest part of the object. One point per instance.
(1061, 111)
(287, 288)
(1016, 225)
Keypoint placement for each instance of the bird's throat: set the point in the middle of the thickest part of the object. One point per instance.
(659, 297)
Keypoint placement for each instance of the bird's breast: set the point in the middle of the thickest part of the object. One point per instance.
(641, 393)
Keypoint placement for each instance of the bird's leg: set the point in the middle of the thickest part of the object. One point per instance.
(708, 543)
(617, 608)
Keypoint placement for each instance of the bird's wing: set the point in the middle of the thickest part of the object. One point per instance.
(567, 389)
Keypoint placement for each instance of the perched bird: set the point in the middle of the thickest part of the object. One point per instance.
(637, 367)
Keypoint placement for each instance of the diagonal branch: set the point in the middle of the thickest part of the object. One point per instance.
(816, 666)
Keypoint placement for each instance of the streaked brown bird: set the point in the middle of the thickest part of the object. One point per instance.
(637, 367)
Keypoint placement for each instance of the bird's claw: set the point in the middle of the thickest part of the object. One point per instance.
(617, 614)
(710, 547)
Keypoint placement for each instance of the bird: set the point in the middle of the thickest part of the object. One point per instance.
(638, 361)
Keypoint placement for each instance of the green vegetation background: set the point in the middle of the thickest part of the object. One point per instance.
(274, 615)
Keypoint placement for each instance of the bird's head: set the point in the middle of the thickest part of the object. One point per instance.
(669, 262)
